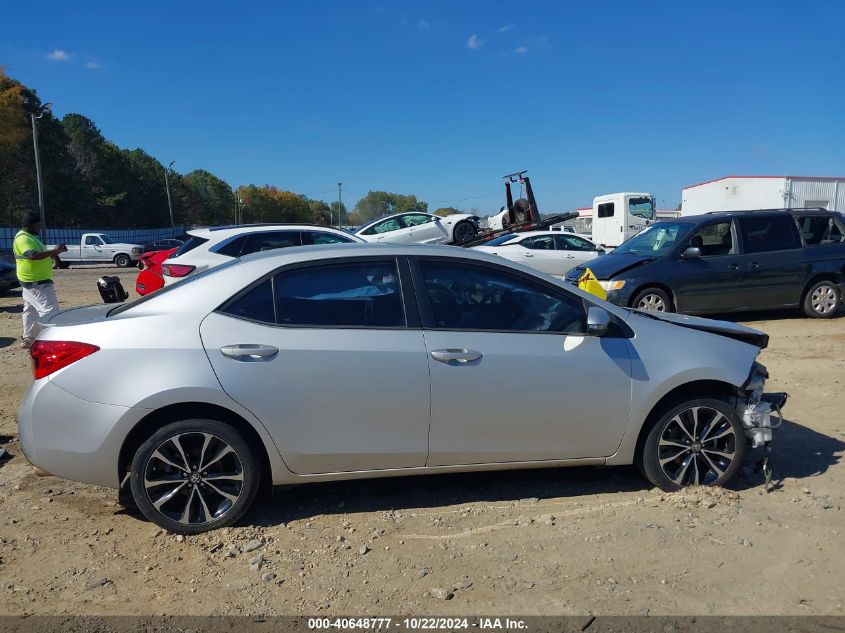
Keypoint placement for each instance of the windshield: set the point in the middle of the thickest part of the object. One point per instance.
(106, 239)
(507, 237)
(655, 240)
(641, 207)
(123, 307)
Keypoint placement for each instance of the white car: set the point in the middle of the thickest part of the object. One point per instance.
(551, 252)
(207, 248)
(421, 228)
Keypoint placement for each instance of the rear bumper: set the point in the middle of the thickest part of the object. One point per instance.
(70, 437)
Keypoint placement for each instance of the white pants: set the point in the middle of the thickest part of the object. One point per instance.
(39, 301)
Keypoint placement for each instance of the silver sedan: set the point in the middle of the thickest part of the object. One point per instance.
(349, 361)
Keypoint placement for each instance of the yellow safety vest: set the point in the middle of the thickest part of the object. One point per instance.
(31, 269)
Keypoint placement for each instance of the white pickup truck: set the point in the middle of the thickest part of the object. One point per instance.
(99, 247)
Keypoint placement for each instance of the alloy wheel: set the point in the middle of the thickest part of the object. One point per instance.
(824, 299)
(651, 302)
(464, 232)
(697, 446)
(193, 478)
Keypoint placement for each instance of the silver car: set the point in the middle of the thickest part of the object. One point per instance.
(348, 361)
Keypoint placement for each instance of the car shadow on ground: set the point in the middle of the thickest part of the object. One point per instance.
(12, 309)
(798, 452)
(305, 501)
(6, 341)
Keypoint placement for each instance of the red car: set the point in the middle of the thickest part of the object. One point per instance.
(150, 278)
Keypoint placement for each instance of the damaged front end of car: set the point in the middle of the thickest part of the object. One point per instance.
(760, 413)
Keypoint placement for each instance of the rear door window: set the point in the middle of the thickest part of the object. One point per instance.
(766, 233)
(354, 294)
(818, 230)
(539, 242)
(317, 237)
(271, 240)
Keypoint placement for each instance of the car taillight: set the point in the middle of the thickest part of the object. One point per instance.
(50, 356)
(177, 270)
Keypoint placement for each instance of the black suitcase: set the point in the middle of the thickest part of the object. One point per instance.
(111, 290)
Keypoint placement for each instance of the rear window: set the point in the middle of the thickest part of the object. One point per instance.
(762, 234)
(502, 239)
(191, 244)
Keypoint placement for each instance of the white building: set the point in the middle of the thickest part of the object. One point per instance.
(741, 193)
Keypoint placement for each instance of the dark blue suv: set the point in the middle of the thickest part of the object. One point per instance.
(733, 261)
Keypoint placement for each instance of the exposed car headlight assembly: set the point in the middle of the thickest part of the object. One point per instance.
(615, 284)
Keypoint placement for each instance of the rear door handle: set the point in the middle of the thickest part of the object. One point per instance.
(734, 266)
(755, 264)
(455, 355)
(528, 255)
(249, 352)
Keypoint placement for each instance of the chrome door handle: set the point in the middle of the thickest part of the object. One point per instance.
(249, 352)
(455, 355)
(570, 257)
(755, 265)
(528, 255)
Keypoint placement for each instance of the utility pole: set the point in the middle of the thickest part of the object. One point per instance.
(169, 204)
(35, 116)
(339, 205)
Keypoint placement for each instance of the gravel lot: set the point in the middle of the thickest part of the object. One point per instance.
(569, 541)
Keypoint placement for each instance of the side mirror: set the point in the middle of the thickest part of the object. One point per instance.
(600, 249)
(692, 252)
(598, 320)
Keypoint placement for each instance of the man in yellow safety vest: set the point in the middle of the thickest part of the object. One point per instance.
(34, 264)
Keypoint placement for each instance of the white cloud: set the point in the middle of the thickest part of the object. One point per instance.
(423, 25)
(58, 55)
(520, 50)
(505, 28)
(475, 42)
(93, 65)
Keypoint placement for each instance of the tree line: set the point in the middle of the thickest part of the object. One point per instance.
(90, 181)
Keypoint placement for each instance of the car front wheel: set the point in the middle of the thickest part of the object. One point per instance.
(464, 232)
(653, 299)
(122, 261)
(699, 442)
(193, 476)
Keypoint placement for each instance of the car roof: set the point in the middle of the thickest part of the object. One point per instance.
(220, 232)
(694, 219)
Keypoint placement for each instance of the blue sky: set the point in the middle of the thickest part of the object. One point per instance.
(441, 99)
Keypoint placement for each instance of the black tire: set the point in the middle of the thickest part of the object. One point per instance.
(193, 503)
(653, 297)
(521, 211)
(703, 462)
(464, 232)
(823, 300)
(122, 260)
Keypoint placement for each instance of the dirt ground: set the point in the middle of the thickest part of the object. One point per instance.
(569, 541)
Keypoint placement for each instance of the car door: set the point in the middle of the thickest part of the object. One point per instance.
(513, 377)
(774, 263)
(539, 252)
(325, 357)
(715, 281)
(388, 230)
(92, 248)
(574, 250)
(424, 228)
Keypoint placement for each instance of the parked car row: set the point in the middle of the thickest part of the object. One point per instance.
(730, 262)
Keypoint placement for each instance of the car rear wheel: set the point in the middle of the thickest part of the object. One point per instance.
(699, 442)
(653, 299)
(464, 232)
(822, 300)
(193, 476)
(122, 261)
